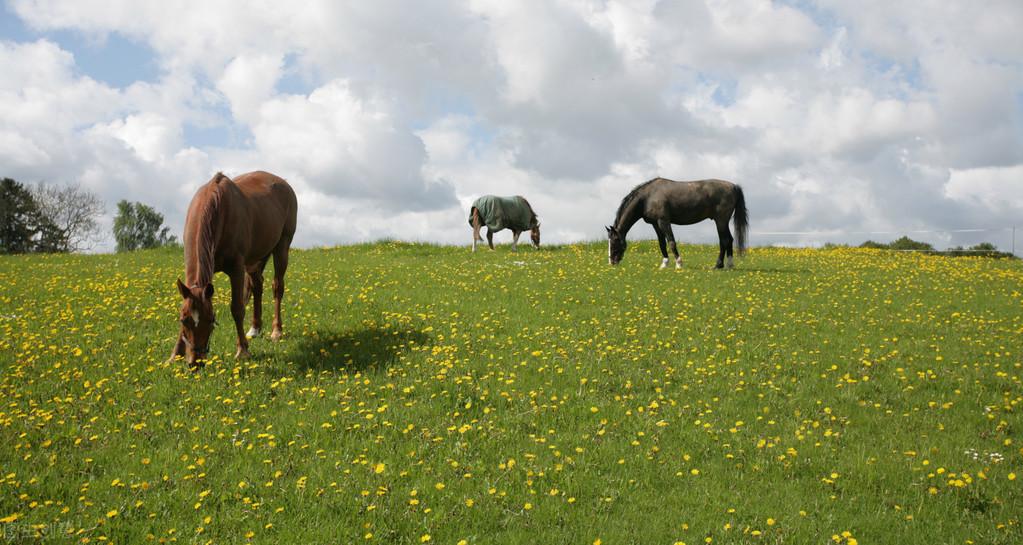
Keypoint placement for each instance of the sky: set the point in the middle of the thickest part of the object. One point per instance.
(842, 120)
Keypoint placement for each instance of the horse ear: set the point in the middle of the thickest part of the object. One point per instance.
(608, 229)
(208, 291)
(185, 293)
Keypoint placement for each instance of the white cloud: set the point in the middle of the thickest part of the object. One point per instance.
(997, 188)
(347, 146)
(248, 82)
(152, 137)
(841, 115)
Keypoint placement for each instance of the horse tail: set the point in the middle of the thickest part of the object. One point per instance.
(741, 219)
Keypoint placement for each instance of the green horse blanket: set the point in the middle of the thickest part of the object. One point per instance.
(504, 213)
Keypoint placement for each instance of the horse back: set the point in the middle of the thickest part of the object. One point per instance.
(270, 201)
(691, 202)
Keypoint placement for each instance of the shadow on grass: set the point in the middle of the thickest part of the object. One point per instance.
(352, 351)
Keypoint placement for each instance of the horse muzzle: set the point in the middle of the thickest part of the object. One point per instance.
(197, 358)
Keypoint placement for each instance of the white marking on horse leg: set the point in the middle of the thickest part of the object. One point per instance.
(474, 245)
(730, 264)
(664, 263)
(678, 262)
(253, 333)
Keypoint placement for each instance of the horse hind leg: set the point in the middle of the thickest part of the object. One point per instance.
(280, 255)
(475, 228)
(725, 245)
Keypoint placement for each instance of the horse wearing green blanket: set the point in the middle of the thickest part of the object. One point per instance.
(498, 213)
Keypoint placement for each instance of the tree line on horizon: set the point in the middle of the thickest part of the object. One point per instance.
(907, 244)
(64, 219)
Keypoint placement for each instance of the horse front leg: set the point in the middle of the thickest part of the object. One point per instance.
(179, 348)
(515, 240)
(254, 281)
(238, 296)
(664, 246)
(490, 238)
(665, 227)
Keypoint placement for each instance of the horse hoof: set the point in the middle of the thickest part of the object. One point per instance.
(242, 354)
(276, 335)
(253, 333)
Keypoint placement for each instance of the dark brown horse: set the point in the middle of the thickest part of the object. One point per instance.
(662, 202)
(234, 227)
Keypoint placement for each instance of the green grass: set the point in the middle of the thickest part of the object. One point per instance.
(530, 397)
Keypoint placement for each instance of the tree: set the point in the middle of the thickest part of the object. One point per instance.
(137, 226)
(906, 243)
(903, 243)
(72, 212)
(23, 227)
(18, 218)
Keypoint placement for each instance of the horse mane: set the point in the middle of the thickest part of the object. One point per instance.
(632, 196)
(534, 220)
(206, 235)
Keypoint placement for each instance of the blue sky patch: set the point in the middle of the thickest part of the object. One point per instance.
(113, 59)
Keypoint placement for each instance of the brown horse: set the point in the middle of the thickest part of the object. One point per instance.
(234, 227)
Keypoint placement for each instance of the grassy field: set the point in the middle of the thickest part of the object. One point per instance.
(428, 395)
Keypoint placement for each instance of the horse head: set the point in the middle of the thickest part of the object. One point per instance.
(197, 321)
(534, 234)
(615, 246)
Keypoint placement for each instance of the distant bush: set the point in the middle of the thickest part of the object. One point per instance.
(906, 243)
(984, 249)
(874, 245)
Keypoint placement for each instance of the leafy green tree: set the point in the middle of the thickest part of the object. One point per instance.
(24, 227)
(138, 226)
